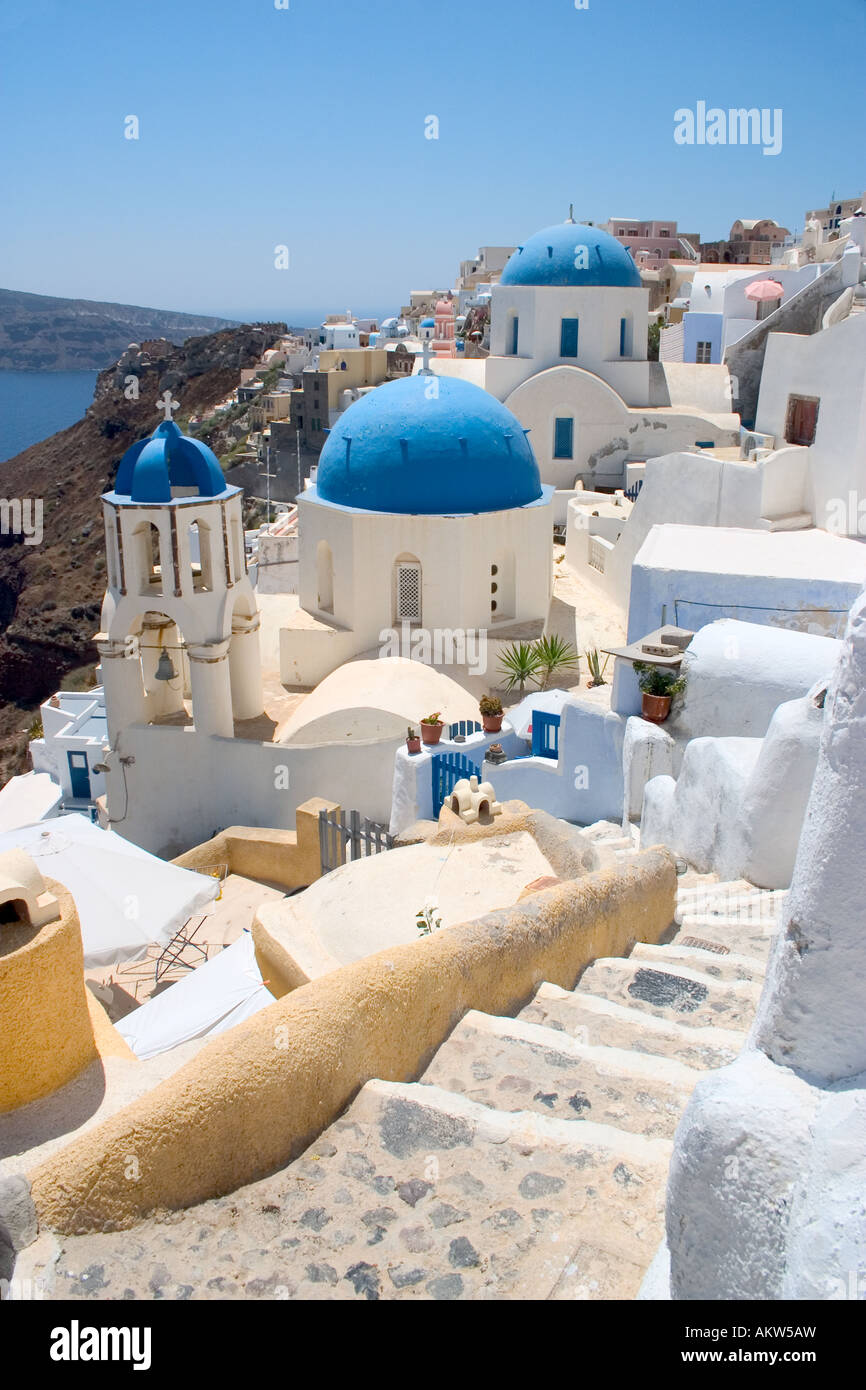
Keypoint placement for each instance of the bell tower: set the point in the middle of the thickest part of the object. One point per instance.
(179, 617)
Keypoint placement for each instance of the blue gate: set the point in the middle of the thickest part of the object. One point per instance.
(545, 734)
(448, 768)
(463, 728)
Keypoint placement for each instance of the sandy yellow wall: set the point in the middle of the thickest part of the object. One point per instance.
(46, 1031)
(253, 1099)
(289, 858)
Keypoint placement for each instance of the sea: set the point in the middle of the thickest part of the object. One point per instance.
(34, 405)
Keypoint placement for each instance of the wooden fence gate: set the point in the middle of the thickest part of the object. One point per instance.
(345, 836)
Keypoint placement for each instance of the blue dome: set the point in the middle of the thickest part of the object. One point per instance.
(428, 323)
(556, 256)
(399, 449)
(151, 468)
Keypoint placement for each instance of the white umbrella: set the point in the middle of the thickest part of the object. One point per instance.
(547, 701)
(127, 899)
(222, 992)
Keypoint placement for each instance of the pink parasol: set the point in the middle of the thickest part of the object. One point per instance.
(764, 289)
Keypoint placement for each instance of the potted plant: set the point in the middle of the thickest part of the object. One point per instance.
(491, 713)
(658, 687)
(431, 728)
(413, 740)
(496, 754)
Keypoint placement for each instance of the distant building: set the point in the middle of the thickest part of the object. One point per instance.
(652, 244)
(73, 742)
(835, 213)
(751, 242)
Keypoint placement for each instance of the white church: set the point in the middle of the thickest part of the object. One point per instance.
(568, 356)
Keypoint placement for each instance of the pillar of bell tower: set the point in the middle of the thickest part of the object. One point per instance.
(245, 668)
(210, 683)
(122, 685)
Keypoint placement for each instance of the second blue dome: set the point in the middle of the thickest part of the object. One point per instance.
(571, 254)
(429, 445)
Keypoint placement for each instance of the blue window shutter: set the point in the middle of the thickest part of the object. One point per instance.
(563, 438)
(568, 338)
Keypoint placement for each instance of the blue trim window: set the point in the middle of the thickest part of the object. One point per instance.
(623, 337)
(515, 336)
(568, 338)
(563, 437)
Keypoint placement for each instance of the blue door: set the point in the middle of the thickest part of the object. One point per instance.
(545, 734)
(446, 769)
(79, 775)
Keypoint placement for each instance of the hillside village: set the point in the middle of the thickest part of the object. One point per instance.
(444, 884)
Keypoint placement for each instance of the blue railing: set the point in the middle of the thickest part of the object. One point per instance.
(446, 770)
(632, 492)
(545, 734)
(464, 727)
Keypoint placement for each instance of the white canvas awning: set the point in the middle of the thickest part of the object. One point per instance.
(222, 992)
(127, 899)
(29, 798)
(546, 701)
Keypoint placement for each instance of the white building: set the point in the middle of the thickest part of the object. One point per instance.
(427, 510)
(568, 355)
(72, 746)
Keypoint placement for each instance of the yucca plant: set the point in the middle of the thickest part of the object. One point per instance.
(555, 654)
(596, 668)
(519, 663)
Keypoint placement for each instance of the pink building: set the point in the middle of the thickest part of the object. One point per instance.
(651, 244)
(444, 340)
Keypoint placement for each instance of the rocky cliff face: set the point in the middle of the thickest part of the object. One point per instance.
(51, 592)
(41, 333)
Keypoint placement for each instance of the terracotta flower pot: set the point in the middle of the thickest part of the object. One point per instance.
(492, 723)
(414, 744)
(431, 733)
(655, 708)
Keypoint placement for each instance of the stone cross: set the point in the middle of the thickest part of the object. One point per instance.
(167, 404)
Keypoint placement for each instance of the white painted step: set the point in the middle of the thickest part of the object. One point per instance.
(413, 1193)
(720, 965)
(681, 993)
(604, 1023)
(511, 1064)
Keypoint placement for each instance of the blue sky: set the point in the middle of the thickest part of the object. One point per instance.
(305, 127)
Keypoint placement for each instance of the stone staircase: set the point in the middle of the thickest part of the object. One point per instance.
(528, 1161)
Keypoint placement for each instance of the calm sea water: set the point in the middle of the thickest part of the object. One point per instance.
(34, 405)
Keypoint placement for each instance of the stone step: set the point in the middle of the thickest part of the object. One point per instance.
(689, 996)
(511, 1065)
(601, 1023)
(790, 521)
(736, 915)
(720, 963)
(412, 1193)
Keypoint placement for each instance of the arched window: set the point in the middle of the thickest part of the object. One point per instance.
(407, 589)
(324, 577)
(201, 557)
(150, 568)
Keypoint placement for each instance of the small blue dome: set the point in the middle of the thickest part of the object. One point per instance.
(428, 323)
(168, 459)
(406, 449)
(572, 255)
